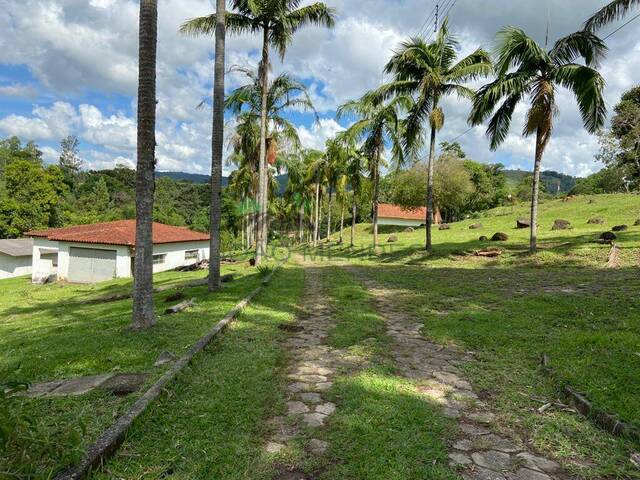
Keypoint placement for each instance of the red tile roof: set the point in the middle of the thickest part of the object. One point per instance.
(121, 232)
(386, 210)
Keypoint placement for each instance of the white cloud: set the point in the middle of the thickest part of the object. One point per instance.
(316, 136)
(18, 91)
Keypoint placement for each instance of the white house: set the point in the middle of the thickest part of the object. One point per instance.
(389, 214)
(15, 257)
(102, 251)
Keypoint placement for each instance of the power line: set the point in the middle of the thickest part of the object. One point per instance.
(622, 26)
(450, 8)
(427, 20)
(461, 135)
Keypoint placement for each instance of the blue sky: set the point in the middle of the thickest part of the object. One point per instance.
(70, 67)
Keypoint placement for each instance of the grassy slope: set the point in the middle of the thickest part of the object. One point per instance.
(212, 422)
(512, 309)
(47, 332)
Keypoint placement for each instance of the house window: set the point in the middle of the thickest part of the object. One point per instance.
(159, 259)
(191, 255)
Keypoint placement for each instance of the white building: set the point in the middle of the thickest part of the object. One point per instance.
(15, 257)
(102, 251)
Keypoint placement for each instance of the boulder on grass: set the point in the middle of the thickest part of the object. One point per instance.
(409, 229)
(444, 226)
(608, 236)
(560, 224)
(392, 239)
(596, 221)
(499, 237)
(252, 262)
(620, 228)
(523, 223)
(489, 252)
(483, 238)
(637, 224)
(475, 226)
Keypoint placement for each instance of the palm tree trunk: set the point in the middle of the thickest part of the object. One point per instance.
(534, 193)
(217, 139)
(143, 315)
(353, 219)
(432, 154)
(301, 236)
(376, 196)
(341, 219)
(261, 244)
(316, 220)
(329, 216)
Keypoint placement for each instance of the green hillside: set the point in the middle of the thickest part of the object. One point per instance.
(549, 178)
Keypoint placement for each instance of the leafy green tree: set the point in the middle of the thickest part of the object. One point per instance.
(278, 21)
(625, 129)
(527, 71)
(489, 184)
(70, 161)
(431, 72)
(378, 122)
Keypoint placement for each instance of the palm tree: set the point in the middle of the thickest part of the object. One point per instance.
(526, 71)
(278, 21)
(143, 310)
(335, 168)
(430, 72)
(298, 192)
(378, 122)
(317, 168)
(355, 165)
(611, 12)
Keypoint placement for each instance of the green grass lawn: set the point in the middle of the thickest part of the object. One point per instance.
(512, 309)
(55, 332)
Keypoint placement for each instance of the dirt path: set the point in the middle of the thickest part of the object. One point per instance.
(478, 451)
(313, 365)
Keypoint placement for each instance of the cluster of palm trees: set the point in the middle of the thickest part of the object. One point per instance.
(394, 120)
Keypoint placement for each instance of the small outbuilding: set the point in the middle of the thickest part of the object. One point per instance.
(389, 214)
(15, 257)
(102, 251)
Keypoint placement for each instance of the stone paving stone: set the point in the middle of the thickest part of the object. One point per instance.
(326, 408)
(273, 447)
(459, 459)
(535, 462)
(492, 460)
(483, 474)
(486, 418)
(318, 447)
(471, 429)
(322, 386)
(499, 443)
(464, 445)
(299, 387)
(295, 408)
(526, 474)
(314, 419)
(311, 397)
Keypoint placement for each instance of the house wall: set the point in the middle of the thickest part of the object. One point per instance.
(14, 266)
(42, 263)
(175, 253)
(174, 257)
(401, 222)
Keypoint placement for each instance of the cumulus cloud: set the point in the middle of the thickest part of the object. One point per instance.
(85, 52)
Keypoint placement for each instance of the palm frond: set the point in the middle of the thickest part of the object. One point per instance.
(516, 48)
(611, 12)
(583, 44)
(587, 85)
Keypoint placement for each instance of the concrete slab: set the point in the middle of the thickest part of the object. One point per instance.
(80, 385)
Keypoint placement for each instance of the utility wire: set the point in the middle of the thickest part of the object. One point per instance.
(461, 135)
(622, 26)
(427, 21)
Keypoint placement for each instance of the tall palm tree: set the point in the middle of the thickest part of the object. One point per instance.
(431, 72)
(278, 21)
(527, 72)
(378, 122)
(298, 192)
(143, 310)
(335, 168)
(355, 166)
(317, 169)
(611, 12)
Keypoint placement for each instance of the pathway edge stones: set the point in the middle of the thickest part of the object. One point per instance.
(112, 437)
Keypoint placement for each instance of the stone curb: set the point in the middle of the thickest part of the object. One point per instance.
(113, 436)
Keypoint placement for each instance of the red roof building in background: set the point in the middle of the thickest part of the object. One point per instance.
(121, 232)
(395, 215)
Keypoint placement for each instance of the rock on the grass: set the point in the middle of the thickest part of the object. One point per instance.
(475, 226)
(500, 237)
(523, 223)
(444, 226)
(637, 224)
(560, 224)
(392, 239)
(596, 221)
(608, 236)
(620, 228)
(409, 229)
(483, 238)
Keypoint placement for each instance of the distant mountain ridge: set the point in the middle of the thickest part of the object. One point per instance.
(554, 182)
(199, 178)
